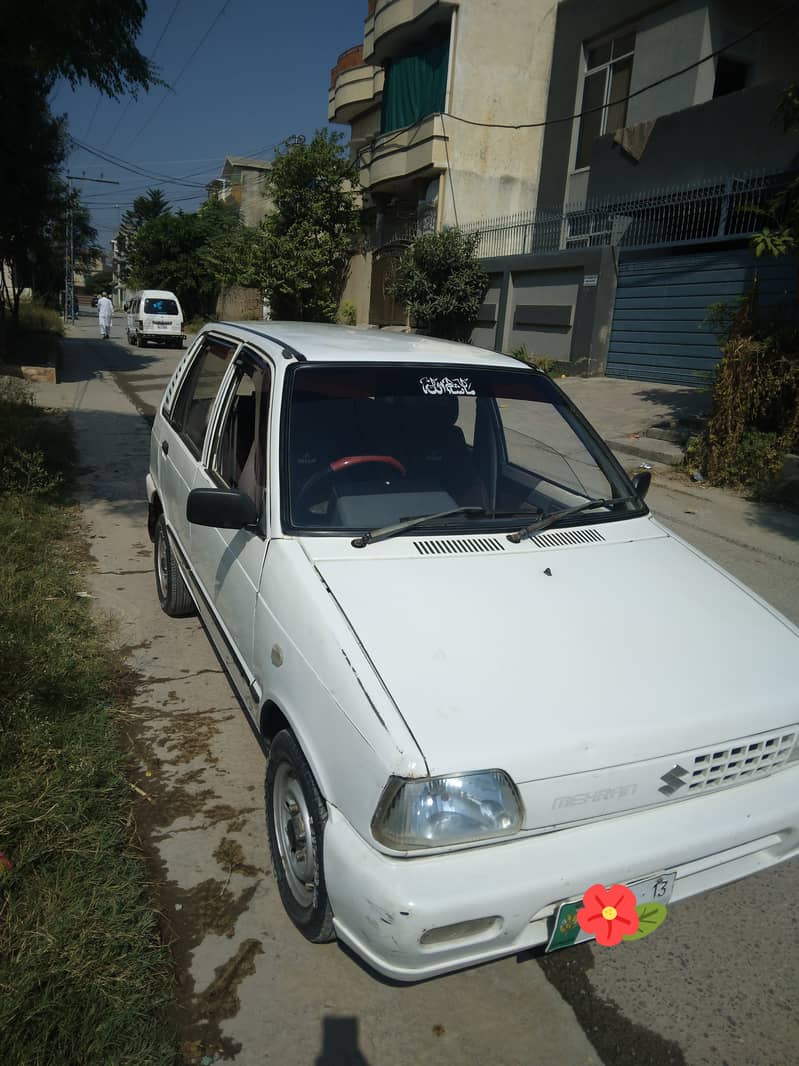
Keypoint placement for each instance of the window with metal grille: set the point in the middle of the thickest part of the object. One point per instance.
(606, 85)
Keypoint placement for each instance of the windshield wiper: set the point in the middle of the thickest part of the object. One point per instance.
(556, 516)
(384, 532)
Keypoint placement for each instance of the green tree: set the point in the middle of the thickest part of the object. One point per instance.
(171, 252)
(99, 281)
(83, 41)
(441, 283)
(307, 240)
(145, 208)
(781, 235)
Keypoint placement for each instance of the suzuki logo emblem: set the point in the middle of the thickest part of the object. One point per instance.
(672, 780)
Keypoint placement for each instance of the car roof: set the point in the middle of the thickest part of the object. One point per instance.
(323, 342)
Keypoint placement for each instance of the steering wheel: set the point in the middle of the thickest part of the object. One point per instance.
(347, 462)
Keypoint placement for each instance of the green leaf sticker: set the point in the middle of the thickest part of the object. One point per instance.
(650, 917)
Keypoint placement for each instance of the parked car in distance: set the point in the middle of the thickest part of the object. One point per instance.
(485, 676)
(154, 316)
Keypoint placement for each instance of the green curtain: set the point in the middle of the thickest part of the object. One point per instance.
(415, 86)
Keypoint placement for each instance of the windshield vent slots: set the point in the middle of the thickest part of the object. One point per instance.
(566, 536)
(458, 547)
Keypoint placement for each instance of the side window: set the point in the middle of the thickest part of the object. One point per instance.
(540, 441)
(240, 456)
(467, 406)
(198, 391)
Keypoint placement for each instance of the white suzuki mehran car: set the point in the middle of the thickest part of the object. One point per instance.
(486, 677)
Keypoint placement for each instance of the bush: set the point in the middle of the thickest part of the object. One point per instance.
(543, 362)
(36, 318)
(754, 418)
(347, 313)
(27, 433)
(441, 283)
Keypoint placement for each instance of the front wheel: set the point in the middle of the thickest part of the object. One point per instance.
(296, 816)
(173, 595)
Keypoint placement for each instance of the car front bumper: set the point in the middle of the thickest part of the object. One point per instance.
(383, 905)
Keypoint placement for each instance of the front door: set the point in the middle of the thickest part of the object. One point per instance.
(186, 430)
(228, 562)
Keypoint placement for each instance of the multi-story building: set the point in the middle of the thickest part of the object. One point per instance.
(242, 182)
(427, 95)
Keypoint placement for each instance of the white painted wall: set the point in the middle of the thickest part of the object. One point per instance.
(499, 72)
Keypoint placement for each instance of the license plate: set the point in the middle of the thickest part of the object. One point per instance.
(163, 325)
(567, 932)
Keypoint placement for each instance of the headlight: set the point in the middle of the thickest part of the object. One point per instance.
(435, 812)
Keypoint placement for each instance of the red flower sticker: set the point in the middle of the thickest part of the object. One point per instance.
(608, 914)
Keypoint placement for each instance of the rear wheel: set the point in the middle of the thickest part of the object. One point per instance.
(141, 341)
(173, 595)
(132, 338)
(296, 816)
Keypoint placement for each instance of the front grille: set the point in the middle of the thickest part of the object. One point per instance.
(465, 546)
(742, 759)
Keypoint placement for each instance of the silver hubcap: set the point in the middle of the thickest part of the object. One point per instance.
(294, 835)
(161, 571)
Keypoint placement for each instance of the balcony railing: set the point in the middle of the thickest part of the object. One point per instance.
(391, 22)
(353, 57)
(708, 210)
(415, 151)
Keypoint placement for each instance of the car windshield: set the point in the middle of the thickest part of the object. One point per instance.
(160, 307)
(371, 445)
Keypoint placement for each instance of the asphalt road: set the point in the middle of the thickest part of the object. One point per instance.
(716, 985)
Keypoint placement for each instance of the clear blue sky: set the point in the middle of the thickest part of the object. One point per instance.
(262, 74)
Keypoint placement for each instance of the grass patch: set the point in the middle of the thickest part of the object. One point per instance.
(35, 338)
(84, 978)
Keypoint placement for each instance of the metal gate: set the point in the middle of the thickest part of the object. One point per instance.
(660, 329)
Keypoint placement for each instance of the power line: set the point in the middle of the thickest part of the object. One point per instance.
(131, 98)
(125, 164)
(183, 69)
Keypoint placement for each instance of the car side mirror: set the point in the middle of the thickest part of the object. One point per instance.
(221, 508)
(641, 482)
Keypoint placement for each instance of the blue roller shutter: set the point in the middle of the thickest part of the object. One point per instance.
(660, 330)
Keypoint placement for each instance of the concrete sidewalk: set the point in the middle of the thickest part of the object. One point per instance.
(622, 411)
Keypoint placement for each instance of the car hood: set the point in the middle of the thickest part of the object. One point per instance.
(545, 662)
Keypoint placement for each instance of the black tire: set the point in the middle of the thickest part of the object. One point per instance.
(173, 595)
(132, 339)
(296, 817)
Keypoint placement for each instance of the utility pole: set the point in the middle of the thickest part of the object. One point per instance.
(69, 245)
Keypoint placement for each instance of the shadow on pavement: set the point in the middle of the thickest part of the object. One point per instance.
(681, 402)
(340, 1043)
(86, 357)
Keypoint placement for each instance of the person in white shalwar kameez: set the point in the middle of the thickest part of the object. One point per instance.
(105, 311)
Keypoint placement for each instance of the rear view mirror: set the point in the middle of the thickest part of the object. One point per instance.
(641, 482)
(221, 508)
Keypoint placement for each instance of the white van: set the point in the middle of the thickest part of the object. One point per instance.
(155, 315)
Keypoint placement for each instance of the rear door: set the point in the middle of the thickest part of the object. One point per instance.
(186, 430)
(228, 562)
(161, 314)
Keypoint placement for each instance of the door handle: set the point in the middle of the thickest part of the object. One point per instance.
(165, 447)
